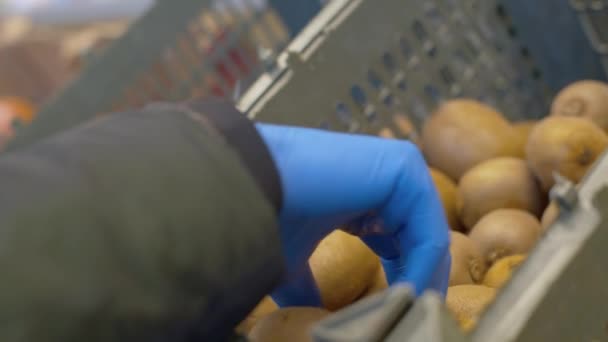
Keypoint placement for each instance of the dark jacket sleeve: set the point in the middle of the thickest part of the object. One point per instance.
(155, 225)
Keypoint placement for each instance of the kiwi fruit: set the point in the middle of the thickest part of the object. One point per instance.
(448, 193)
(468, 264)
(288, 324)
(343, 268)
(467, 303)
(549, 216)
(265, 307)
(379, 283)
(463, 133)
(586, 99)
(521, 132)
(502, 270)
(406, 128)
(506, 232)
(566, 145)
(503, 182)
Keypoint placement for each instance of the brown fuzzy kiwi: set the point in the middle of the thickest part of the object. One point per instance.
(566, 145)
(406, 128)
(343, 268)
(504, 182)
(378, 285)
(288, 324)
(265, 307)
(463, 133)
(549, 216)
(448, 192)
(468, 263)
(467, 303)
(586, 99)
(522, 131)
(502, 270)
(505, 232)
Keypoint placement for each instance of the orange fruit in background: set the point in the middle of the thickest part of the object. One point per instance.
(20, 108)
(13, 110)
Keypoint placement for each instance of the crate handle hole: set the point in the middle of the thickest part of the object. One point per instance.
(431, 50)
(433, 93)
(374, 80)
(358, 95)
(419, 30)
(388, 100)
(343, 113)
(501, 12)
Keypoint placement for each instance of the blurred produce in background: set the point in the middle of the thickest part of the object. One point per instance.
(14, 111)
(37, 60)
(45, 44)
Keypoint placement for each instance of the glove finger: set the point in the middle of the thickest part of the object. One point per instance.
(298, 290)
(422, 268)
(414, 212)
(388, 249)
(396, 266)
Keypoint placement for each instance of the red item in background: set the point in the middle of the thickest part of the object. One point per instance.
(240, 57)
(18, 108)
(13, 110)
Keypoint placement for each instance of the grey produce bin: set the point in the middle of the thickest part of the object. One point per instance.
(361, 62)
(358, 67)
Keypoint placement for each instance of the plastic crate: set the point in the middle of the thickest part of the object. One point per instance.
(361, 64)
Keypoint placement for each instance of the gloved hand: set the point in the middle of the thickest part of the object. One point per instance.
(375, 188)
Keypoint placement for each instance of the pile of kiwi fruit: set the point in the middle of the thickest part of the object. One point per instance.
(493, 177)
(345, 271)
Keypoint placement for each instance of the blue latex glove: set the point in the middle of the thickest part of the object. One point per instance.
(375, 188)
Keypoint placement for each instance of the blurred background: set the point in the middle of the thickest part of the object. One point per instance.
(43, 43)
(46, 43)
